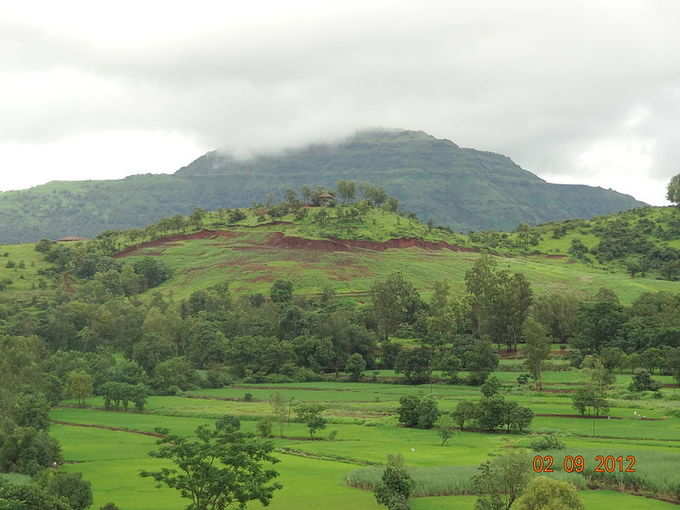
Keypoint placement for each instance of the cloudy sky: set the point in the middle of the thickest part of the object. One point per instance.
(577, 92)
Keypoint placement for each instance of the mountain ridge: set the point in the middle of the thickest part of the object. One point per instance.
(466, 189)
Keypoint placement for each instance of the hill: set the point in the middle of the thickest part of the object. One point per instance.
(465, 189)
(347, 253)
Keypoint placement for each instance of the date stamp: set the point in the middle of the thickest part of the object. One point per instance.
(577, 464)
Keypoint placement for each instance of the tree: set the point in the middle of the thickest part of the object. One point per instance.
(282, 291)
(29, 497)
(500, 301)
(543, 493)
(465, 411)
(642, 381)
(395, 300)
(28, 451)
(69, 486)
(310, 415)
(32, 410)
(418, 412)
(415, 364)
(355, 366)
(446, 426)
(673, 190)
(490, 387)
(153, 271)
(501, 481)
(79, 386)
(346, 190)
(537, 349)
(395, 486)
(218, 468)
(557, 312)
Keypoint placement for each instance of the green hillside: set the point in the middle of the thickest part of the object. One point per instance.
(347, 254)
(465, 189)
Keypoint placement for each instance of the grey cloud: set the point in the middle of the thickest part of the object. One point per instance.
(540, 84)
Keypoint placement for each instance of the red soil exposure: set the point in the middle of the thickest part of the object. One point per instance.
(280, 240)
(166, 241)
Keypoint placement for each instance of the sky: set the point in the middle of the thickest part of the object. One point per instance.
(574, 91)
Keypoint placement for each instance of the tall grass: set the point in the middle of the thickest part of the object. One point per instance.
(656, 472)
(440, 481)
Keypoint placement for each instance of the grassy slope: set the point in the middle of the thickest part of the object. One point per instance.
(251, 266)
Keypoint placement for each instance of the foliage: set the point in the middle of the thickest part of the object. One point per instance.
(418, 412)
(394, 489)
(217, 468)
(502, 480)
(311, 415)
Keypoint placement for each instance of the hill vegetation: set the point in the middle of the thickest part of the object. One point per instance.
(464, 189)
(280, 327)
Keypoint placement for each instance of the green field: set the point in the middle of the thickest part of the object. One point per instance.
(363, 415)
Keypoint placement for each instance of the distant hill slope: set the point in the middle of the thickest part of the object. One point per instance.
(465, 189)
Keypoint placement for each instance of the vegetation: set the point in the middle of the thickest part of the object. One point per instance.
(432, 363)
(220, 468)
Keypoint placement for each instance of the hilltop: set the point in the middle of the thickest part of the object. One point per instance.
(465, 189)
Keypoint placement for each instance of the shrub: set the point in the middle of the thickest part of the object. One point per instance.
(546, 442)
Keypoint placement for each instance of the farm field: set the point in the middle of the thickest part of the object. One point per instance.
(362, 417)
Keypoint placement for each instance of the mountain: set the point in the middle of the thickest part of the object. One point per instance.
(465, 189)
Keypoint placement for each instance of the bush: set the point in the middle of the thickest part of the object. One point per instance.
(547, 442)
(418, 412)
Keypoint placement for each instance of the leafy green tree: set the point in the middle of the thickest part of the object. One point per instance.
(544, 493)
(491, 387)
(69, 486)
(282, 291)
(600, 323)
(153, 270)
(218, 468)
(32, 410)
(450, 364)
(501, 481)
(28, 451)
(415, 364)
(79, 385)
(446, 426)
(465, 412)
(557, 312)
(311, 415)
(419, 412)
(395, 300)
(395, 486)
(673, 190)
(537, 349)
(29, 497)
(355, 366)
(500, 301)
(642, 381)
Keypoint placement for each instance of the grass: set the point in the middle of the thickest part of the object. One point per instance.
(252, 266)
(111, 459)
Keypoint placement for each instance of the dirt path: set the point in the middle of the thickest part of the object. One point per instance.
(104, 427)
